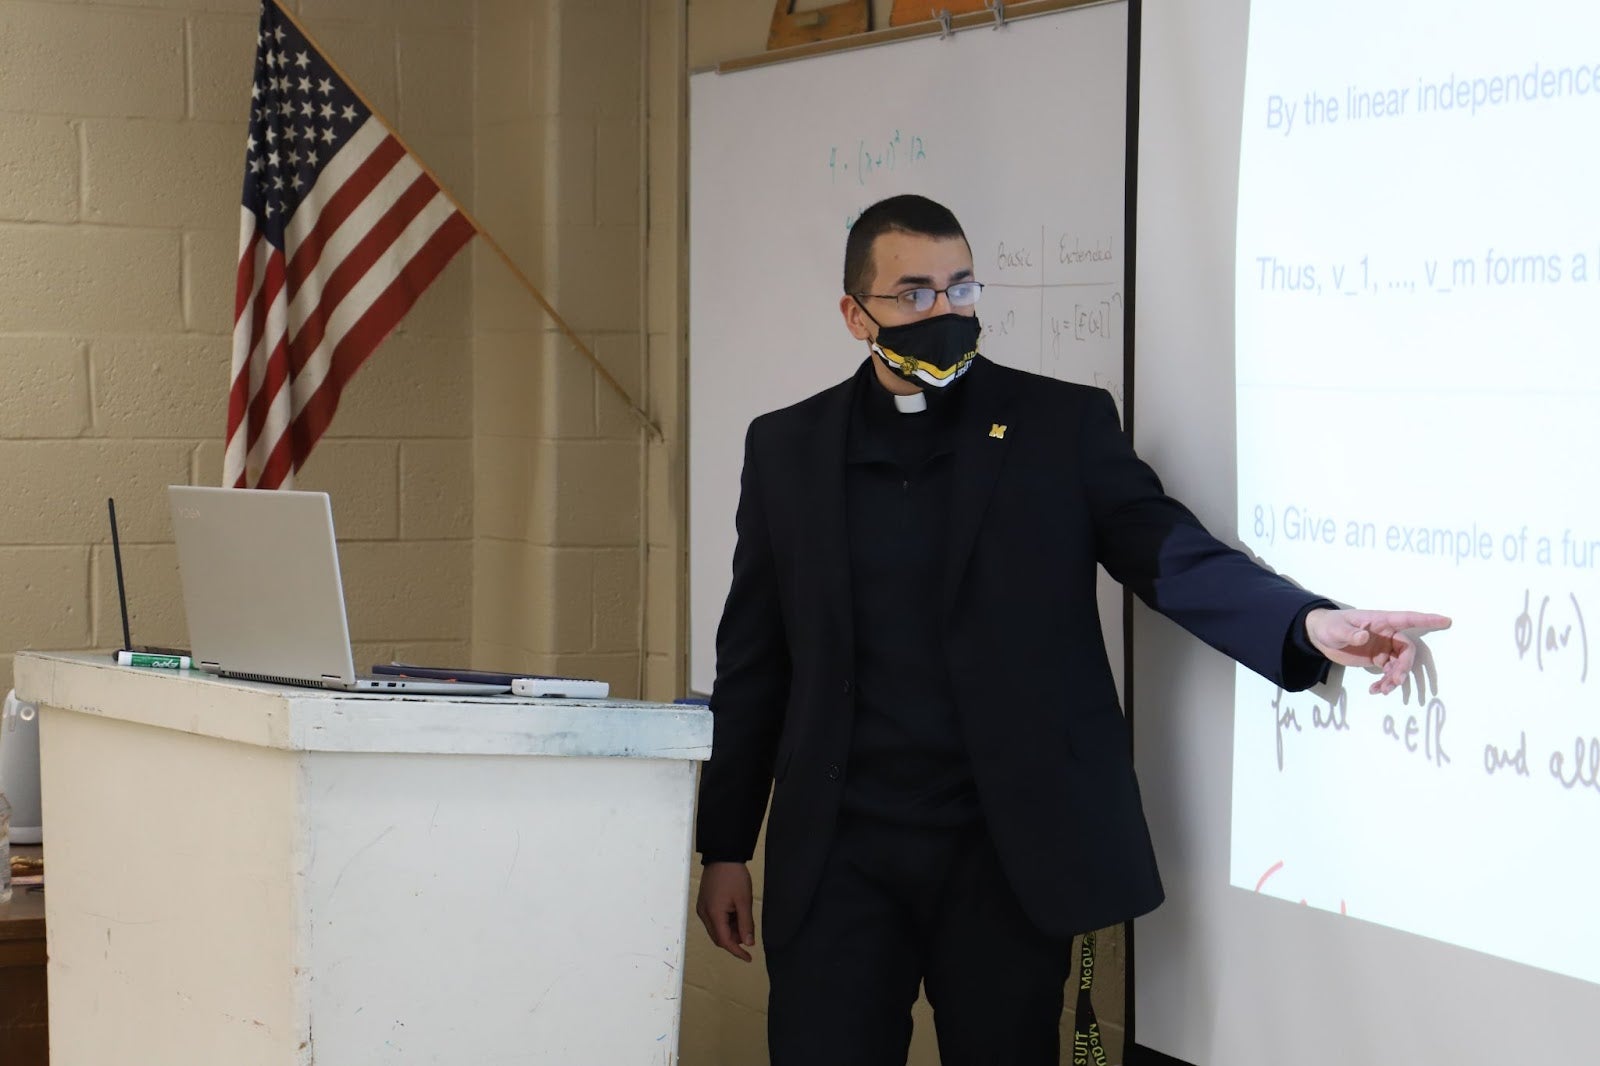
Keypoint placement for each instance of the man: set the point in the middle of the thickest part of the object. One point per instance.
(910, 663)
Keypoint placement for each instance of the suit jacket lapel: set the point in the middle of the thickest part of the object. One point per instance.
(980, 451)
(826, 525)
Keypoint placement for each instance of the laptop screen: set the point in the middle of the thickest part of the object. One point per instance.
(261, 585)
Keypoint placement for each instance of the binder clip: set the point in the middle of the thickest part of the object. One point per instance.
(999, 9)
(942, 16)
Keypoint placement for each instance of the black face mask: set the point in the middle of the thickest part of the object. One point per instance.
(931, 352)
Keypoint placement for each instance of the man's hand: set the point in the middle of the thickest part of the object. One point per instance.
(1377, 640)
(724, 907)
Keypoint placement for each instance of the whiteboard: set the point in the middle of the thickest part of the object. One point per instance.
(1019, 129)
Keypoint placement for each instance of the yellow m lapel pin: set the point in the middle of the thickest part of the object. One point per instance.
(997, 431)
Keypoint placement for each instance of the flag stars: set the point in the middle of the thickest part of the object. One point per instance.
(296, 103)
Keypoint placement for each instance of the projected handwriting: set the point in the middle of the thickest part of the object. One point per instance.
(1555, 633)
(1497, 759)
(1334, 716)
(1424, 734)
(1584, 770)
(1261, 883)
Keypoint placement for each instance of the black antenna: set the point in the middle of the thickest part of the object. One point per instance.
(122, 590)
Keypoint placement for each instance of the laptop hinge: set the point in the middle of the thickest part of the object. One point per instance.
(210, 667)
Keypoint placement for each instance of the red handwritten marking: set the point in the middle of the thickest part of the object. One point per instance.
(1278, 866)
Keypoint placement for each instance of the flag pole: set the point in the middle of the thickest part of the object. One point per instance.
(561, 323)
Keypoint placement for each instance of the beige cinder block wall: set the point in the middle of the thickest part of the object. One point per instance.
(121, 158)
(725, 1000)
(577, 529)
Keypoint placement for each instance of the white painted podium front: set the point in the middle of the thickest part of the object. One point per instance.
(252, 874)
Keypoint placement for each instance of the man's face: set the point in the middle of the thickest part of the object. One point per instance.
(902, 262)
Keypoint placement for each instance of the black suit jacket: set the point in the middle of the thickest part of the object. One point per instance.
(1045, 485)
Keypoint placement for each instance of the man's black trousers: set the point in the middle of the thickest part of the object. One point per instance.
(900, 907)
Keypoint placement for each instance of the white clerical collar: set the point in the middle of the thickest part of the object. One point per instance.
(910, 405)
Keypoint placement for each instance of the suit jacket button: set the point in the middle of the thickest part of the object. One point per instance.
(833, 772)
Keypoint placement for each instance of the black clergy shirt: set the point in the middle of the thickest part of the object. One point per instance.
(907, 761)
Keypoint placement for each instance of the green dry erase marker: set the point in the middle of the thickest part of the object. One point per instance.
(164, 662)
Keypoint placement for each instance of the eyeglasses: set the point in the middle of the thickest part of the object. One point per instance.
(961, 294)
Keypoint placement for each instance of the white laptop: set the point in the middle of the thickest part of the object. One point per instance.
(261, 589)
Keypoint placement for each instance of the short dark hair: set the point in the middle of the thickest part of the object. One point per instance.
(907, 213)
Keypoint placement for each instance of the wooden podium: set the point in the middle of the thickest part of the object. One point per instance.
(251, 874)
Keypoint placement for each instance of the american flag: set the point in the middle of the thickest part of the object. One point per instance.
(341, 230)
